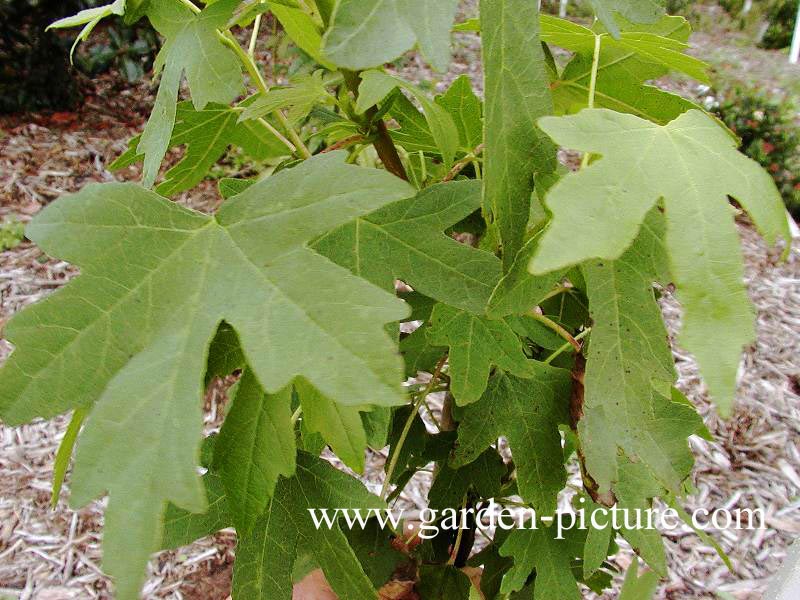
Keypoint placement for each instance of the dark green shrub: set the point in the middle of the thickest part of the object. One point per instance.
(769, 135)
(781, 16)
(34, 64)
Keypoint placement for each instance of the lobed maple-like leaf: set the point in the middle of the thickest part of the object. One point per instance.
(265, 559)
(692, 165)
(627, 412)
(637, 11)
(476, 344)
(528, 413)
(648, 45)
(254, 448)
(129, 337)
(622, 74)
(517, 94)
(406, 240)
(539, 549)
(633, 434)
(192, 48)
(207, 135)
(341, 427)
(368, 33)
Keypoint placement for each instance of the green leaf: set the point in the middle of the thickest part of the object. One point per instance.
(373, 547)
(517, 94)
(527, 412)
(192, 48)
(340, 426)
(264, 559)
(633, 438)
(207, 135)
(636, 11)
(368, 33)
(300, 97)
(89, 18)
(133, 340)
(225, 354)
(414, 134)
(406, 241)
(254, 448)
(182, 527)
(300, 27)
(621, 76)
(519, 291)
(665, 51)
(636, 587)
(466, 109)
(484, 476)
(476, 343)
(691, 163)
(376, 85)
(443, 582)
(551, 558)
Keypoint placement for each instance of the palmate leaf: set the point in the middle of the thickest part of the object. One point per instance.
(300, 97)
(630, 370)
(551, 558)
(192, 48)
(517, 94)
(665, 51)
(406, 240)
(264, 559)
(130, 335)
(207, 135)
(368, 33)
(636, 11)
(339, 426)
(254, 448)
(476, 344)
(527, 412)
(519, 291)
(301, 28)
(622, 73)
(691, 163)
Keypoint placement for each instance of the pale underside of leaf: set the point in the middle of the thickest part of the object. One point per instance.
(691, 164)
(131, 334)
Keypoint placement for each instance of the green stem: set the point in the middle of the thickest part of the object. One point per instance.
(459, 536)
(550, 324)
(462, 164)
(567, 346)
(65, 453)
(251, 50)
(191, 6)
(407, 428)
(598, 41)
(382, 141)
(258, 80)
(296, 415)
